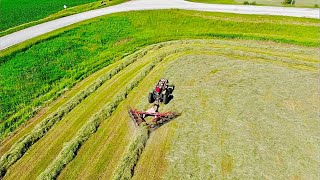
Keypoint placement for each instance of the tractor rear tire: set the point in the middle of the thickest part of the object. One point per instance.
(150, 97)
(166, 98)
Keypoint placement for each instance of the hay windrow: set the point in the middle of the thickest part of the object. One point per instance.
(126, 166)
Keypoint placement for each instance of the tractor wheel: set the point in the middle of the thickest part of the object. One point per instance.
(166, 98)
(150, 98)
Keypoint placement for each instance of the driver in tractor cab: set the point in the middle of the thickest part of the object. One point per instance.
(162, 84)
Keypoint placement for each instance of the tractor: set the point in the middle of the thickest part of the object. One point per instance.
(161, 93)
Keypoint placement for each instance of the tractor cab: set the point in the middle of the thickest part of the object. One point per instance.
(161, 85)
(161, 93)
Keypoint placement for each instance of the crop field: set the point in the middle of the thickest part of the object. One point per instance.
(246, 88)
(19, 14)
(298, 3)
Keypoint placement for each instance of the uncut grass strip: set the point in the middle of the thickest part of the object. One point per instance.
(125, 169)
(69, 151)
(23, 144)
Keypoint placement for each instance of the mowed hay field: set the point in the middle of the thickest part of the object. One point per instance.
(248, 110)
(246, 91)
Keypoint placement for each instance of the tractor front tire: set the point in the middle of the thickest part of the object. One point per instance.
(150, 97)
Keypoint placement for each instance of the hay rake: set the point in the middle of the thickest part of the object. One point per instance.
(138, 117)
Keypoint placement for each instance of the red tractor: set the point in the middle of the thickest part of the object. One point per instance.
(161, 93)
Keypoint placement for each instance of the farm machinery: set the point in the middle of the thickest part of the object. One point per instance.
(161, 93)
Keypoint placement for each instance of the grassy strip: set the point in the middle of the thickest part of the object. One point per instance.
(126, 167)
(19, 148)
(69, 151)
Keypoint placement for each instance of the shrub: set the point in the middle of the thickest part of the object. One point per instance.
(289, 2)
(316, 6)
(249, 3)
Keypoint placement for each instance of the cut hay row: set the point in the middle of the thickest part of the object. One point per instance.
(69, 151)
(23, 144)
(125, 169)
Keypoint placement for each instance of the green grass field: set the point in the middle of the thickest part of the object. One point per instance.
(246, 88)
(298, 3)
(20, 14)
